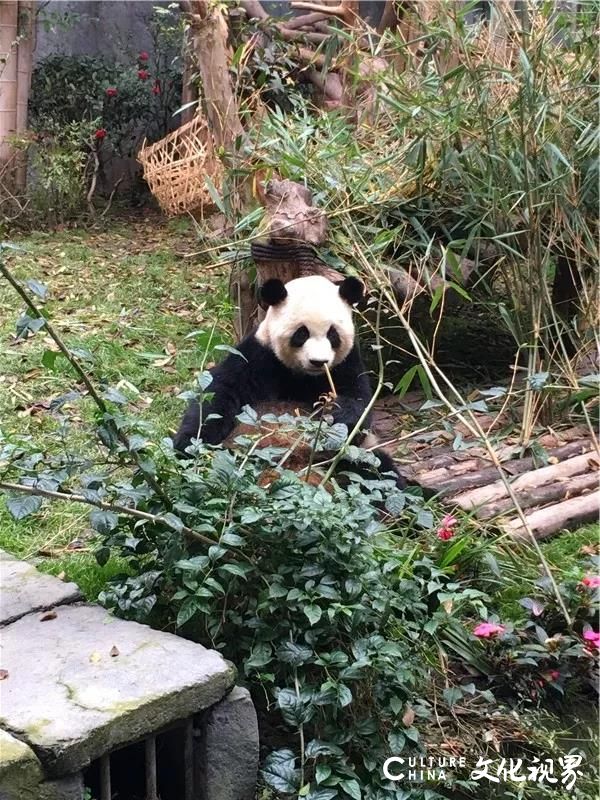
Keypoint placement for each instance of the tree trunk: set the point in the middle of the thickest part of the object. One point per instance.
(209, 38)
(294, 228)
(9, 18)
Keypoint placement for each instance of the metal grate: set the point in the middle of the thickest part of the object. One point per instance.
(159, 767)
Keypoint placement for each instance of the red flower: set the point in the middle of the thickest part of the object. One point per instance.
(143, 74)
(554, 674)
(445, 531)
(485, 630)
(156, 87)
(591, 581)
(100, 134)
(112, 91)
(143, 56)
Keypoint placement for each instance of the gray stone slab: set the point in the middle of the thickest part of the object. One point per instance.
(24, 589)
(72, 701)
(229, 749)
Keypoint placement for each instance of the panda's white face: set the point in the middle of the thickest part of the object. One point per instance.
(309, 322)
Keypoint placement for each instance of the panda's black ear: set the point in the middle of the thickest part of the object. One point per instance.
(271, 293)
(351, 290)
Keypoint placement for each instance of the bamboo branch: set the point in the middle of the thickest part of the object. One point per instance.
(118, 509)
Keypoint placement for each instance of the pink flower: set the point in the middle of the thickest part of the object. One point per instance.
(449, 521)
(100, 134)
(143, 56)
(592, 639)
(156, 87)
(591, 581)
(486, 630)
(445, 533)
(112, 91)
(554, 674)
(143, 74)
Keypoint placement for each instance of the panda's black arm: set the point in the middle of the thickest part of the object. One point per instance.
(235, 382)
(353, 389)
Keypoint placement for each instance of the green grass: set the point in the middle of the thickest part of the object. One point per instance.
(567, 555)
(128, 297)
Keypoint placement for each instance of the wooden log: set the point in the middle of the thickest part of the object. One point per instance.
(568, 514)
(450, 470)
(531, 480)
(542, 495)
(446, 459)
(514, 467)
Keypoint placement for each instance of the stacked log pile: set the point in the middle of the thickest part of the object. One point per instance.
(557, 489)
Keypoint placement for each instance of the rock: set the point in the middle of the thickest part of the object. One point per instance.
(20, 770)
(229, 749)
(69, 788)
(83, 683)
(25, 590)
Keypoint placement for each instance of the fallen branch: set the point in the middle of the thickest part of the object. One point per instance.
(347, 10)
(509, 468)
(254, 9)
(305, 20)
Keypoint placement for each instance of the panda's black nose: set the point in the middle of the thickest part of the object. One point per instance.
(317, 362)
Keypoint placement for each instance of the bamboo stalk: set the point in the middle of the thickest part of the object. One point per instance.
(25, 47)
(9, 16)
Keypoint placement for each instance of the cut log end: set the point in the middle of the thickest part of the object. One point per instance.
(562, 516)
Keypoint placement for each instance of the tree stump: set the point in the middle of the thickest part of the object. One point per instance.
(294, 227)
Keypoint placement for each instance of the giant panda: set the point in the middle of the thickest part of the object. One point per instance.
(308, 326)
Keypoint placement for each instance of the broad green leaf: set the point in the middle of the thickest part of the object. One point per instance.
(23, 505)
(103, 521)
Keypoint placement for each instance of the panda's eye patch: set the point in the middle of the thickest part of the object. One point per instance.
(334, 337)
(300, 336)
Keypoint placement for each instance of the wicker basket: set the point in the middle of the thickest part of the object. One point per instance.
(175, 168)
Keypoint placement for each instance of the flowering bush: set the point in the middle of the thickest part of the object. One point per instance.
(128, 104)
(129, 101)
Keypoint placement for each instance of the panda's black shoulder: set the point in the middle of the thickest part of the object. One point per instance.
(253, 353)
